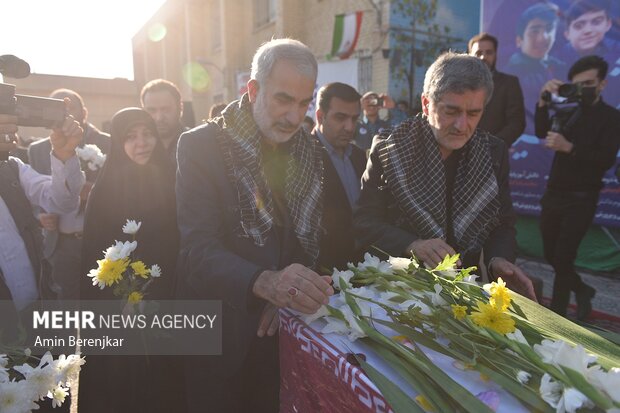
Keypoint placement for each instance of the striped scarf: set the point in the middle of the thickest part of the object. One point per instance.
(415, 175)
(241, 147)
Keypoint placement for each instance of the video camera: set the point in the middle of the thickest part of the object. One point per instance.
(566, 105)
(571, 93)
(376, 102)
(30, 110)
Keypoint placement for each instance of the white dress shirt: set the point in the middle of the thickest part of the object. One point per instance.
(58, 193)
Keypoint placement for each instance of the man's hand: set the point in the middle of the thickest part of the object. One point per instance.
(269, 320)
(514, 277)
(552, 87)
(430, 251)
(557, 142)
(49, 221)
(67, 137)
(296, 287)
(388, 102)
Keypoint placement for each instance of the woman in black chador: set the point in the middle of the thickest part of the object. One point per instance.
(137, 183)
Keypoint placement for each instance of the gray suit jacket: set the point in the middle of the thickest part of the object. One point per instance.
(39, 158)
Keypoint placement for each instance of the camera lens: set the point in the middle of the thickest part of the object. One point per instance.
(568, 90)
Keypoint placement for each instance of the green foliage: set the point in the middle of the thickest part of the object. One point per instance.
(419, 43)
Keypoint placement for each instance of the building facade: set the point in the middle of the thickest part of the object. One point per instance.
(206, 46)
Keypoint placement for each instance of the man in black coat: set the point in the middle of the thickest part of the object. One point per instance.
(504, 115)
(435, 185)
(162, 100)
(585, 146)
(338, 109)
(249, 204)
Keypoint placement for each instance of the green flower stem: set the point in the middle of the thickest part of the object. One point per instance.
(576, 380)
(453, 389)
(521, 392)
(418, 380)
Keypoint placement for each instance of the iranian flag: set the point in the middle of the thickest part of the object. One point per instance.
(346, 32)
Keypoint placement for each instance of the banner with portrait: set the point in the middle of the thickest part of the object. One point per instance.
(539, 40)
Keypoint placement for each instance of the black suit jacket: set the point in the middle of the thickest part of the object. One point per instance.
(216, 260)
(504, 115)
(337, 246)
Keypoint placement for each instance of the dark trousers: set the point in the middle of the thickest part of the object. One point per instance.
(255, 387)
(66, 264)
(564, 221)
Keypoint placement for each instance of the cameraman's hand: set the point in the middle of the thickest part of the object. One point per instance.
(557, 142)
(66, 138)
(551, 87)
(388, 102)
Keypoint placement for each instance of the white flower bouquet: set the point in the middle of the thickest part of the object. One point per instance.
(130, 278)
(397, 307)
(24, 380)
(91, 156)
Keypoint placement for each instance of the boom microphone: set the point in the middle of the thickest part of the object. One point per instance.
(13, 66)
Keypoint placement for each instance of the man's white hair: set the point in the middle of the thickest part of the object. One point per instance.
(274, 50)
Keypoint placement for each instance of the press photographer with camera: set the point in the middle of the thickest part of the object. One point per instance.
(370, 123)
(21, 188)
(584, 133)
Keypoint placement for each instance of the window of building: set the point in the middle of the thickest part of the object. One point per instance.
(264, 12)
(364, 74)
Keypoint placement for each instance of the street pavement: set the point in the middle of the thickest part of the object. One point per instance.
(607, 285)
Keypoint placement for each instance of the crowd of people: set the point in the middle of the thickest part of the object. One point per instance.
(254, 210)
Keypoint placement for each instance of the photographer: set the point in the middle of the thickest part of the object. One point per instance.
(370, 123)
(21, 188)
(585, 141)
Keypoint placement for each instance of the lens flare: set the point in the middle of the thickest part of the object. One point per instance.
(196, 76)
(157, 32)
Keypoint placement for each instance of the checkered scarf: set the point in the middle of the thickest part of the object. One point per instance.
(241, 146)
(416, 178)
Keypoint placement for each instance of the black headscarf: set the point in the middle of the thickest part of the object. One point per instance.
(126, 190)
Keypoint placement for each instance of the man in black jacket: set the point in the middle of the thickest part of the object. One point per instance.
(504, 115)
(585, 146)
(249, 204)
(162, 100)
(338, 109)
(436, 185)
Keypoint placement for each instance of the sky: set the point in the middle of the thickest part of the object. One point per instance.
(88, 38)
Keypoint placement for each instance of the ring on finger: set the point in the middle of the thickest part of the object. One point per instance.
(293, 291)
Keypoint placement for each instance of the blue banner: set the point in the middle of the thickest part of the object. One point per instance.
(559, 45)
